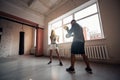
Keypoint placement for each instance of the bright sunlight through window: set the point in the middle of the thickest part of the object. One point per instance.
(88, 18)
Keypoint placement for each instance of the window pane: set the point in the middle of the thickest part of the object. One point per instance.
(49, 33)
(34, 37)
(65, 32)
(56, 24)
(67, 19)
(87, 17)
(91, 27)
(85, 12)
(59, 32)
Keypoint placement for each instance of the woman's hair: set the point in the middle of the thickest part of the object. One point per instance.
(52, 33)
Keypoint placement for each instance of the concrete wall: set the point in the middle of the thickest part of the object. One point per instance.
(22, 12)
(9, 44)
(110, 18)
(109, 11)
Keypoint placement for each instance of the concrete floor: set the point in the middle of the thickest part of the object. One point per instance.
(36, 68)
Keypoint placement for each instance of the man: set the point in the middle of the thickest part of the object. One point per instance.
(77, 46)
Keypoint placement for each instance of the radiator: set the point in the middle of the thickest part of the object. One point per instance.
(93, 52)
(97, 52)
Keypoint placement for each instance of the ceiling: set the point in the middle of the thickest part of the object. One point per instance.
(43, 7)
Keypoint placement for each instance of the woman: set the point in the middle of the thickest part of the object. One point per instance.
(53, 46)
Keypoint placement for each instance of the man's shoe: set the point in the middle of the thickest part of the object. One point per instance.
(89, 70)
(49, 62)
(71, 70)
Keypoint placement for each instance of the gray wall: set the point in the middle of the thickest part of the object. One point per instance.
(111, 25)
(9, 44)
(23, 12)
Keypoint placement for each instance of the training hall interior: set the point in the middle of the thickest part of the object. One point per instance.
(25, 28)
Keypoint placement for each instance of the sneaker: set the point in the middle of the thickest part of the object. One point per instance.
(60, 64)
(71, 70)
(89, 70)
(49, 62)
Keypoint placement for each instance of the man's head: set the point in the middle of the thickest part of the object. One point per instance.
(73, 21)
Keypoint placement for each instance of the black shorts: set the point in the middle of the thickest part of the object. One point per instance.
(77, 48)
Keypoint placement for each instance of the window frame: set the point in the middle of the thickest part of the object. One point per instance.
(89, 3)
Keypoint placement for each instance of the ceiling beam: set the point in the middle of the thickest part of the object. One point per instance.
(17, 19)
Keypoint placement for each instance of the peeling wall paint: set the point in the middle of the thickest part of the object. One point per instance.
(9, 44)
